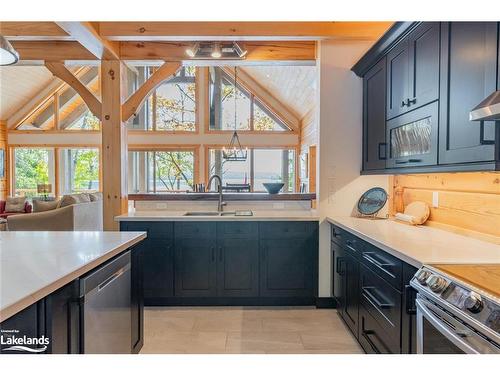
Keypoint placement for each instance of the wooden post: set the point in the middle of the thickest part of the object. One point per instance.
(114, 143)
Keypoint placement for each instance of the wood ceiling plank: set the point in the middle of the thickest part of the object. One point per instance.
(150, 31)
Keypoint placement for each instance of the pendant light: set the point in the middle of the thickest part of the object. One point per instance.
(8, 55)
(235, 152)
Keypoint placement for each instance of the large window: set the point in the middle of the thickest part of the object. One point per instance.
(161, 171)
(251, 113)
(172, 106)
(79, 170)
(32, 166)
(262, 165)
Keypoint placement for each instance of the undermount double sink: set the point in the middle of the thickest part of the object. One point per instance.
(215, 213)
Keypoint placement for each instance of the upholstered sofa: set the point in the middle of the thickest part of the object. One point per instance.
(4, 214)
(75, 217)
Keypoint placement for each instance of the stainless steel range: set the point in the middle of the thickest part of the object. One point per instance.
(454, 316)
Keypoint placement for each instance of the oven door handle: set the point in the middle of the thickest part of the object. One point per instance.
(443, 328)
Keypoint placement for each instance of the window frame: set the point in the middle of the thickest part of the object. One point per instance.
(195, 149)
(253, 98)
(251, 149)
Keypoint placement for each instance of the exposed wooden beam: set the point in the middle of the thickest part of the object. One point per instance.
(33, 31)
(284, 113)
(51, 51)
(135, 101)
(114, 144)
(189, 31)
(87, 35)
(59, 70)
(257, 51)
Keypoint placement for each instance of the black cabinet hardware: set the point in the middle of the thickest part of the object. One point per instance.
(220, 253)
(381, 264)
(410, 307)
(371, 292)
(366, 334)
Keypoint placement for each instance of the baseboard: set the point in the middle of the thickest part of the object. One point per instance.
(326, 303)
(231, 301)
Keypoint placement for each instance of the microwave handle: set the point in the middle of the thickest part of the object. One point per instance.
(408, 161)
(424, 312)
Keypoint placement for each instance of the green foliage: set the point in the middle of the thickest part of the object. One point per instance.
(85, 163)
(173, 167)
(32, 168)
(177, 112)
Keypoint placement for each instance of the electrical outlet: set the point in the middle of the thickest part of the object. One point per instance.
(435, 199)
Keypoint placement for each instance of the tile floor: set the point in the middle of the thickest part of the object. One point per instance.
(253, 330)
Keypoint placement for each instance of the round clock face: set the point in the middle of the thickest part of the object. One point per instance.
(372, 201)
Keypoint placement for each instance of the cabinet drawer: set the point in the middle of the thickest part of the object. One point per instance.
(237, 230)
(195, 230)
(154, 229)
(383, 264)
(349, 241)
(286, 229)
(372, 336)
(382, 301)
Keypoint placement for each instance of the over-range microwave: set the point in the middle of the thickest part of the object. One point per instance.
(412, 138)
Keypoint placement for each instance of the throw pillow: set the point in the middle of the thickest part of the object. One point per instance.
(95, 196)
(15, 204)
(40, 206)
(67, 200)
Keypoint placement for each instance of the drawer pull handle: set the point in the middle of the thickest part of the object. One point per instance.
(369, 257)
(340, 260)
(366, 334)
(350, 244)
(370, 296)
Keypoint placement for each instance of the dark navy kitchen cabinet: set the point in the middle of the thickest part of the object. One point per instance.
(469, 55)
(373, 296)
(288, 259)
(229, 262)
(157, 257)
(445, 68)
(237, 259)
(374, 83)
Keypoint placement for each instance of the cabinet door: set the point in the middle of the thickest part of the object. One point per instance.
(338, 255)
(373, 337)
(238, 267)
(374, 144)
(158, 265)
(286, 268)
(397, 80)
(350, 283)
(195, 267)
(423, 45)
(468, 75)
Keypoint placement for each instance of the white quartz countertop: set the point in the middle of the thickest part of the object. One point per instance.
(35, 264)
(418, 245)
(260, 215)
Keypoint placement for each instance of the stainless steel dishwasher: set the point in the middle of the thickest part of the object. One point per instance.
(106, 320)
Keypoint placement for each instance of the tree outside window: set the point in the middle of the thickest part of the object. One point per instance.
(31, 169)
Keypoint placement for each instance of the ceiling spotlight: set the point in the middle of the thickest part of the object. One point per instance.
(216, 51)
(8, 55)
(193, 50)
(240, 51)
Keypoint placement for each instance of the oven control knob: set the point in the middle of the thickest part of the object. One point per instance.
(436, 283)
(422, 276)
(473, 303)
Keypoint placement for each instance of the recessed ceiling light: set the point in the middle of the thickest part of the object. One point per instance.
(216, 51)
(193, 50)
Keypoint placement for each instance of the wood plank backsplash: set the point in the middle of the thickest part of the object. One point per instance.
(469, 203)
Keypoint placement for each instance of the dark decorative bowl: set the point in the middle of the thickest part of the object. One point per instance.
(273, 187)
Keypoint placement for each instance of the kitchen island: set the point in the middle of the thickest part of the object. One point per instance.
(39, 281)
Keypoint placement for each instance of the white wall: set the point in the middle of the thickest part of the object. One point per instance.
(340, 142)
